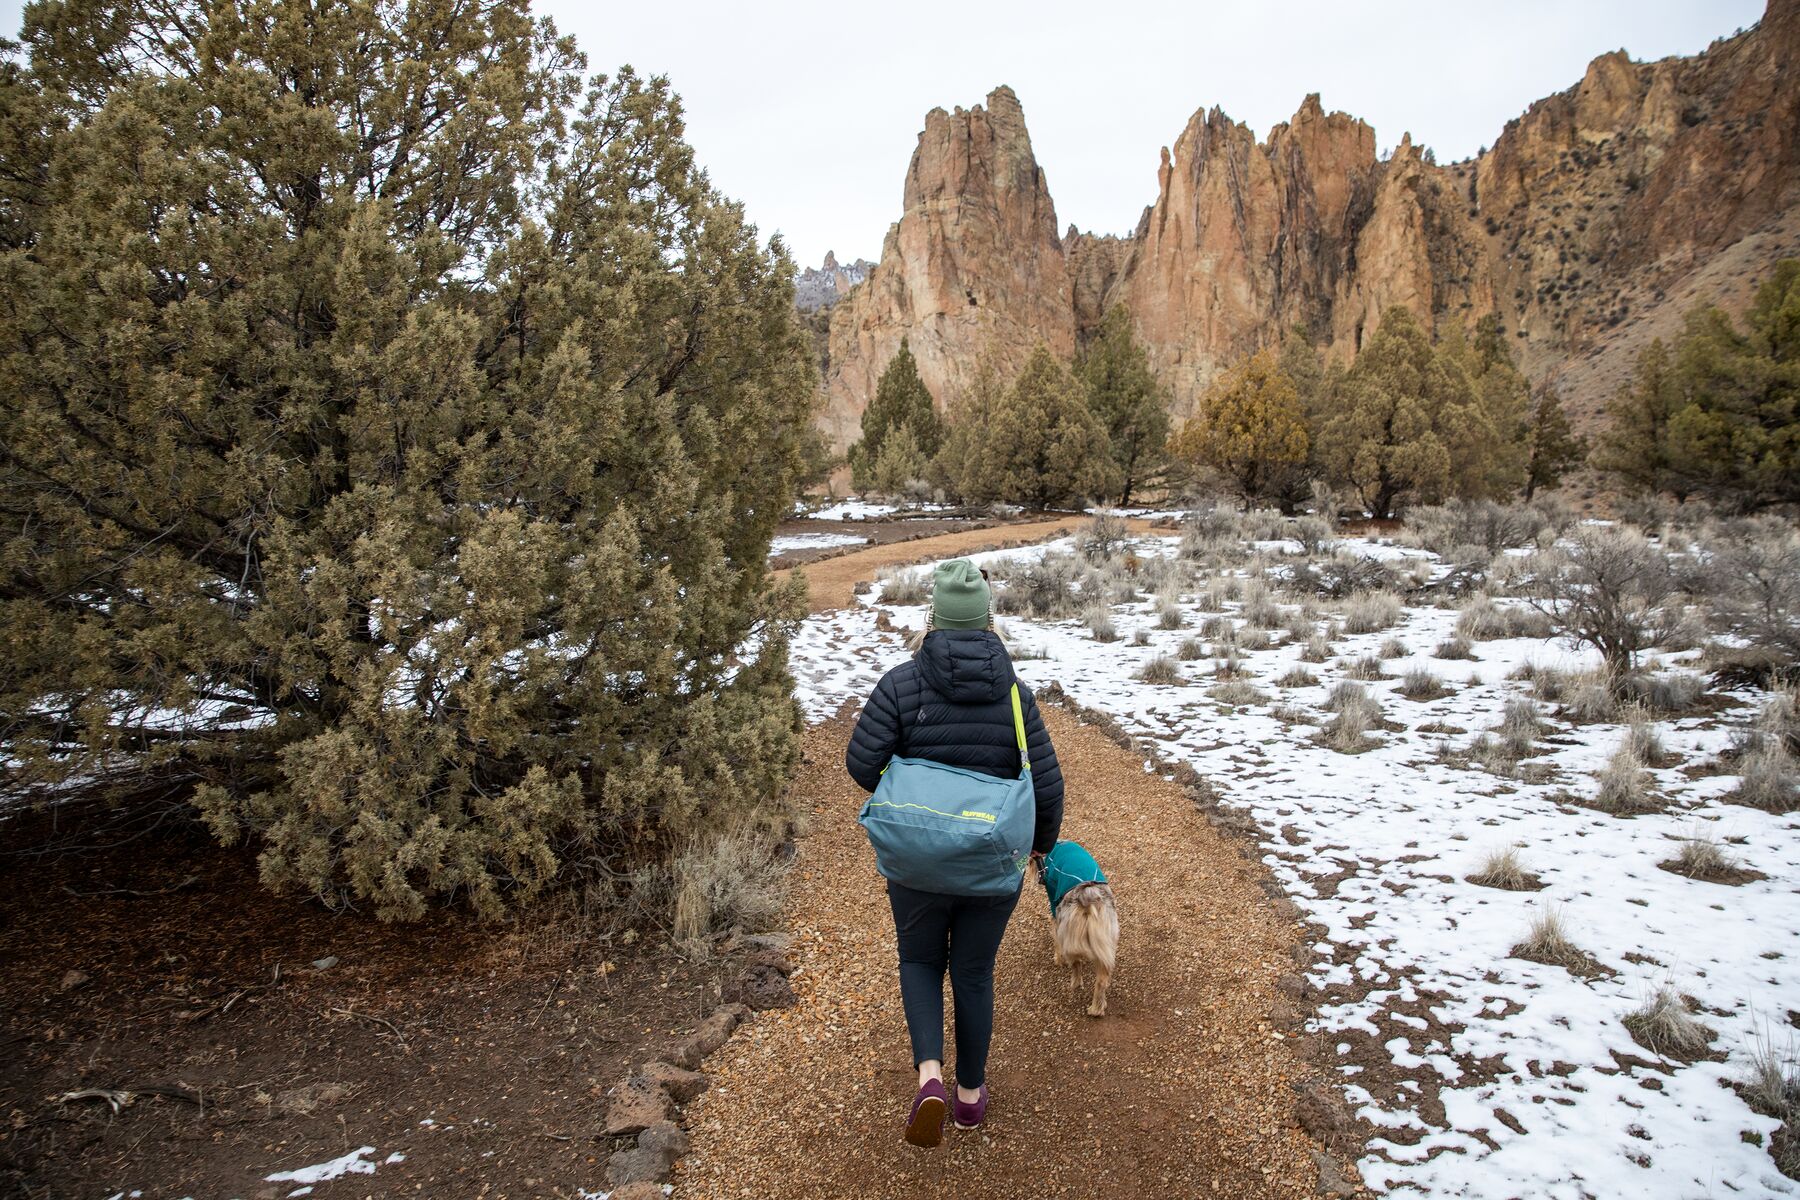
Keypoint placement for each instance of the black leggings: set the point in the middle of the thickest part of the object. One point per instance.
(963, 933)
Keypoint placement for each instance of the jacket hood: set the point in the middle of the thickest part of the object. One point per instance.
(966, 666)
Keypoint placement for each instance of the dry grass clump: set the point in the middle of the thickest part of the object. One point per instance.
(1773, 1089)
(1520, 727)
(1238, 692)
(1457, 648)
(735, 878)
(1548, 942)
(1768, 777)
(1370, 612)
(1644, 738)
(1367, 667)
(1168, 613)
(1357, 713)
(1676, 691)
(1504, 869)
(900, 586)
(1100, 624)
(1704, 859)
(1191, 650)
(1160, 669)
(1047, 588)
(1394, 648)
(1260, 609)
(1664, 1025)
(1626, 789)
(1297, 677)
(1318, 649)
(1255, 639)
(1341, 575)
(1293, 714)
(1102, 537)
(1219, 628)
(1589, 696)
(1482, 620)
(1141, 638)
(1229, 666)
(1421, 683)
(1299, 626)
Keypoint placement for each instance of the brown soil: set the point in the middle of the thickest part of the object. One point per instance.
(504, 1038)
(1184, 1088)
(831, 582)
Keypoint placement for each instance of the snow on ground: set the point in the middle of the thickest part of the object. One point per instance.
(813, 541)
(1543, 1091)
(865, 510)
(357, 1162)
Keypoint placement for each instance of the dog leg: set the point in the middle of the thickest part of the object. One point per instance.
(1102, 980)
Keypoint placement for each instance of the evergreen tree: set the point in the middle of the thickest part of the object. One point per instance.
(1736, 434)
(1046, 448)
(901, 398)
(1383, 440)
(1124, 394)
(374, 443)
(1635, 447)
(1483, 412)
(1300, 363)
(1250, 427)
(1552, 446)
(900, 464)
(961, 466)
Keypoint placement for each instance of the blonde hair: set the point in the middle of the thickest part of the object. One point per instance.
(916, 638)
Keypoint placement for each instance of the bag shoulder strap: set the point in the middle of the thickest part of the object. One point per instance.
(1019, 728)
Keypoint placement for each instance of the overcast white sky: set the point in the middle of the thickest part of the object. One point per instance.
(808, 110)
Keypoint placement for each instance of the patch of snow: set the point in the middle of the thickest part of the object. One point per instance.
(356, 1162)
(813, 541)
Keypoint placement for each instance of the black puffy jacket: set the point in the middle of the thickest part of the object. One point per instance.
(950, 703)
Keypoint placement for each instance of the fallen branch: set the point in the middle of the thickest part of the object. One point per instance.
(395, 1029)
(173, 887)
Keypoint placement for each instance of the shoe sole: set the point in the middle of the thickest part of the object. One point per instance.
(926, 1128)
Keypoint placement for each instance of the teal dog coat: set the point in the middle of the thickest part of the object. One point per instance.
(1067, 867)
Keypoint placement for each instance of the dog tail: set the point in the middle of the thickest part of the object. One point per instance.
(1087, 924)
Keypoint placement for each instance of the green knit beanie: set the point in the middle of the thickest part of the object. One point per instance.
(959, 596)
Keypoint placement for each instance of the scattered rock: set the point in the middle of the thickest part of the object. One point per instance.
(685, 1054)
(651, 1160)
(73, 979)
(1331, 1176)
(1291, 986)
(1283, 1014)
(637, 1104)
(773, 960)
(637, 1165)
(641, 1190)
(761, 987)
(768, 941)
(664, 1137)
(716, 1029)
(682, 1085)
(325, 964)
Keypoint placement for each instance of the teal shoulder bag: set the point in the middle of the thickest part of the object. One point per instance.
(943, 829)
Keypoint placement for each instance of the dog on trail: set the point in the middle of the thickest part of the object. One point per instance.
(1084, 920)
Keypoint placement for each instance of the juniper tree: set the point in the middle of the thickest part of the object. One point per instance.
(1046, 447)
(1249, 427)
(901, 398)
(1635, 446)
(1552, 446)
(1384, 442)
(1123, 392)
(372, 456)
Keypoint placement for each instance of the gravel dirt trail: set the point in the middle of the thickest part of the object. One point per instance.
(831, 582)
(1183, 1089)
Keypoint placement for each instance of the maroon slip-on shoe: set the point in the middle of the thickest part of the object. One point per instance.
(925, 1125)
(969, 1116)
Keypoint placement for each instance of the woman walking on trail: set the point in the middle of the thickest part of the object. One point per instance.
(953, 703)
